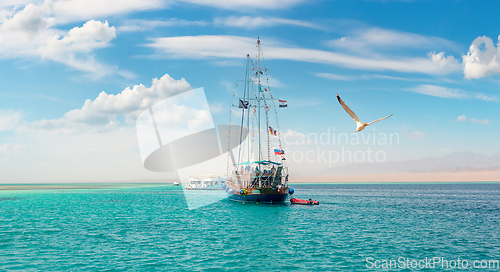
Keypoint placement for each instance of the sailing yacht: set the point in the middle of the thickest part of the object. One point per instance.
(256, 176)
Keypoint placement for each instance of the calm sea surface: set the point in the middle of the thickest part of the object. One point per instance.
(150, 228)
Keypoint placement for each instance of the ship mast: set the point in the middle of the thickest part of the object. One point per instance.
(247, 95)
(258, 93)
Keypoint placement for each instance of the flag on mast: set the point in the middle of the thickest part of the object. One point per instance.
(243, 104)
(283, 103)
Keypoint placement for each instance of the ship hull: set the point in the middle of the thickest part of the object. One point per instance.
(260, 198)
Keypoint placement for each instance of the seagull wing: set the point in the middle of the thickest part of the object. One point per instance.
(379, 120)
(348, 110)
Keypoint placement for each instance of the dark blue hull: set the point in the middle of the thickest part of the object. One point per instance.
(260, 198)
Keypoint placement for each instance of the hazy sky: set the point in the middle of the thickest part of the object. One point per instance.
(76, 73)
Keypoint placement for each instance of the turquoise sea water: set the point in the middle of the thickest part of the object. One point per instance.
(150, 228)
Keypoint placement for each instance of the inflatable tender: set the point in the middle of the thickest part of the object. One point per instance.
(303, 201)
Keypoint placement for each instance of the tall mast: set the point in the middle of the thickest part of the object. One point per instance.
(247, 94)
(258, 92)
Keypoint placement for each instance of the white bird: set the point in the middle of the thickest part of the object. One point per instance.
(360, 126)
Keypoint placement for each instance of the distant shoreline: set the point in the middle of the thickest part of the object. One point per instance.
(124, 185)
(75, 186)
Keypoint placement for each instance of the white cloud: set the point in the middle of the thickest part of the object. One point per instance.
(256, 22)
(31, 20)
(377, 41)
(101, 113)
(145, 25)
(30, 33)
(484, 122)
(82, 10)
(337, 77)
(463, 118)
(78, 157)
(366, 40)
(9, 119)
(227, 63)
(362, 77)
(445, 64)
(242, 4)
(14, 3)
(482, 60)
(11, 148)
(68, 11)
(198, 47)
(444, 92)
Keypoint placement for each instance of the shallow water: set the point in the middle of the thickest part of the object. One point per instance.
(150, 228)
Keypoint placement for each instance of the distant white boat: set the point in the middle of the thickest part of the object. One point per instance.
(206, 182)
(177, 184)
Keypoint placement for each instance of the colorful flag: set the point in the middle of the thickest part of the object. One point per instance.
(282, 103)
(272, 131)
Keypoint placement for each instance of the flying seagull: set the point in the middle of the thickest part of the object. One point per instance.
(360, 126)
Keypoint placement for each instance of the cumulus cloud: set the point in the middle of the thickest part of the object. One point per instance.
(445, 92)
(101, 113)
(461, 118)
(445, 64)
(482, 60)
(30, 32)
(31, 20)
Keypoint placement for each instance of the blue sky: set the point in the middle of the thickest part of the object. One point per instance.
(433, 64)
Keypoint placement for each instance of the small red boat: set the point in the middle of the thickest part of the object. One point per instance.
(303, 201)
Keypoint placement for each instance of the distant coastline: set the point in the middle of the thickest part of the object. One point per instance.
(76, 186)
(480, 176)
(484, 176)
